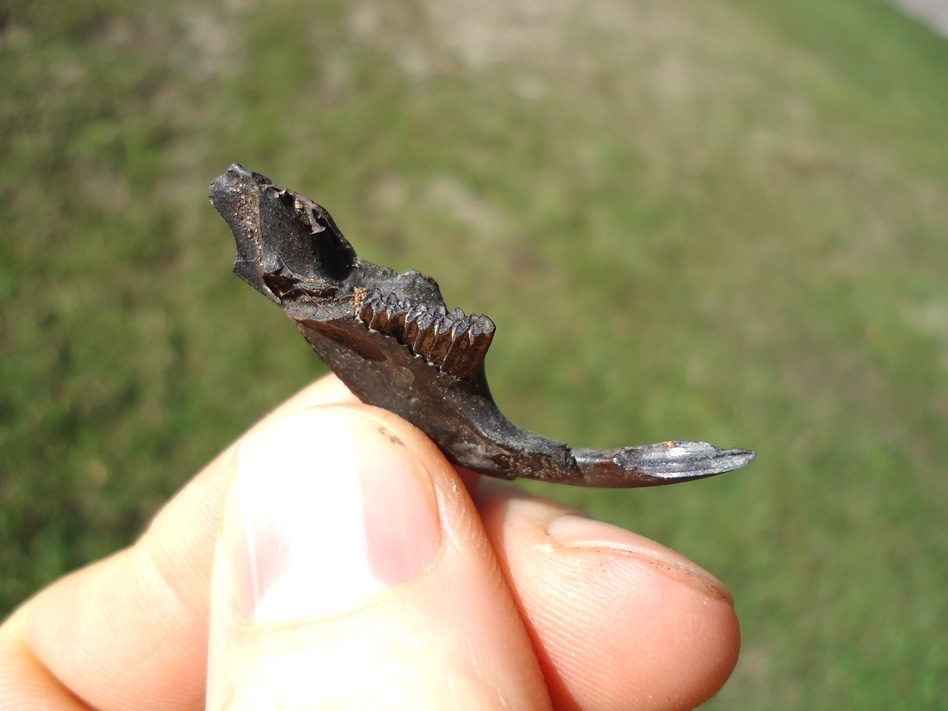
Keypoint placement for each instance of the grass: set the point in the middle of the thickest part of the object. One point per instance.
(720, 221)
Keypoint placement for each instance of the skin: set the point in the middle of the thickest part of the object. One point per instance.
(515, 602)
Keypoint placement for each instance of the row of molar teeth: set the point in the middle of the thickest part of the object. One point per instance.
(453, 341)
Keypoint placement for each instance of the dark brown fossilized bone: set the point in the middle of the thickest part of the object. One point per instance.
(392, 341)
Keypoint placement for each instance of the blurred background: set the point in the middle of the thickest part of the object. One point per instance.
(724, 220)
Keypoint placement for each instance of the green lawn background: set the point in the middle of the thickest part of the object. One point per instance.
(724, 220)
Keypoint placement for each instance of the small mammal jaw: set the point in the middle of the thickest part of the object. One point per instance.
(392, 340)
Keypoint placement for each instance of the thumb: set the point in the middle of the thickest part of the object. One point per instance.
(352, 571)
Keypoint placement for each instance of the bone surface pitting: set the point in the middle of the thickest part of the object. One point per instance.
(392, 340)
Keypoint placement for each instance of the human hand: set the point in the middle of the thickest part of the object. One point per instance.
(334, 558)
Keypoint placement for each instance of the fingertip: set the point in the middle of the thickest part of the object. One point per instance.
(310, 529)
(325, 391)
(618, 621)
(581, 532)
(339, 595)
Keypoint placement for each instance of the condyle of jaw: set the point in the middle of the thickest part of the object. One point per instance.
(391, 339)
